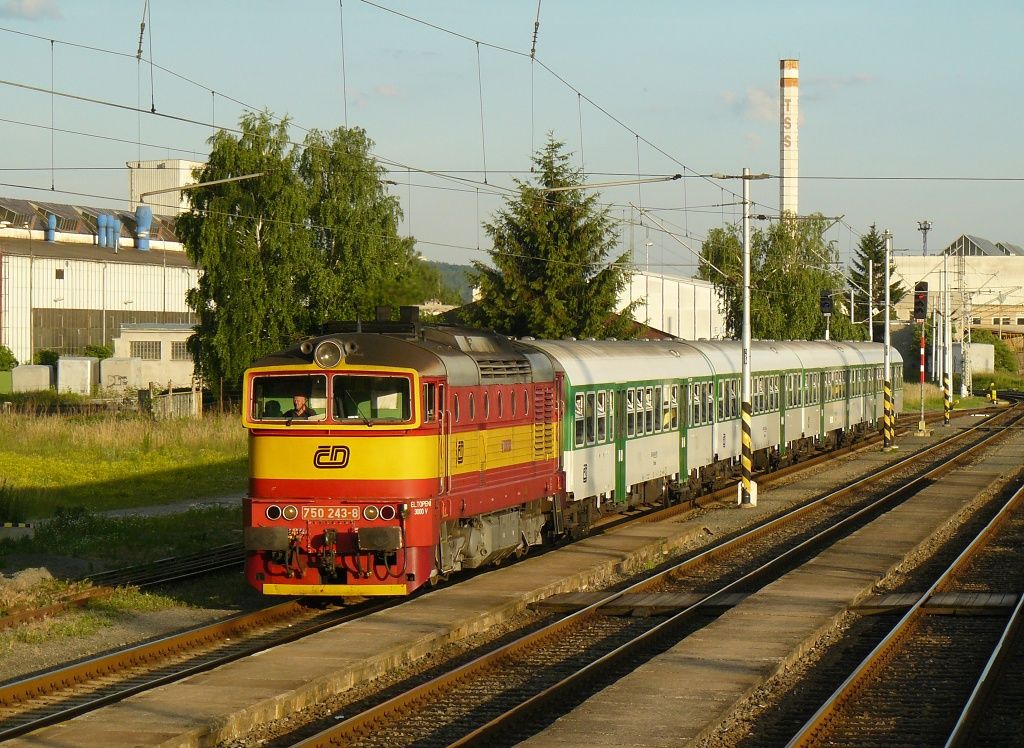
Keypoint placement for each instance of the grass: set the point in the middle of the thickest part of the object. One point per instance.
(114, 461)
(97, 614)
(125, 541)
(933, 399)
(39, 595)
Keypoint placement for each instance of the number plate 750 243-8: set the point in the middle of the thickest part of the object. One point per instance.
(344, 513)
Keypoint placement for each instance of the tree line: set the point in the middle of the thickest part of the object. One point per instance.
(316, 238)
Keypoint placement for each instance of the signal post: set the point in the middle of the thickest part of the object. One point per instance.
(921, 314)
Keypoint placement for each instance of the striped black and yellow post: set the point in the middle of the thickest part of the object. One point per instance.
(947, 398)
(887, 426)
(746, 460)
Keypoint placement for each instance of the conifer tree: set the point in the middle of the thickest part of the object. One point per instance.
(555, 273)
(872, 248)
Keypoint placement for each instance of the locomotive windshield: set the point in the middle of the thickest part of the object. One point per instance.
(371, 399)
(296, 397)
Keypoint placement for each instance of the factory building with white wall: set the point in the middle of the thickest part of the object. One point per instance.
(148, 177)
(680, 306)
(71, 276)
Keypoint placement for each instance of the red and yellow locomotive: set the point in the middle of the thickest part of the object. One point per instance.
(419, 451)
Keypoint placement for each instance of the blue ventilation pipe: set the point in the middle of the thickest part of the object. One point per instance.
(144, 220)
(51, 228)
(101, 229)
(115, 232)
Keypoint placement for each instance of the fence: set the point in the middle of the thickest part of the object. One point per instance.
(174, 403)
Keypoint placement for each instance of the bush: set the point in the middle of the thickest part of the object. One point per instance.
(1006, 359)
(7, 359)
(99, 351)
(47, 357)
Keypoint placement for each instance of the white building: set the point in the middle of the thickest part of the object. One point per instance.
(680, 306)
(150, 176)
(61, 290)
(157, 353)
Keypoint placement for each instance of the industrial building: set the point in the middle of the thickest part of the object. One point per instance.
(986, 284)
(680, 306)
(72, 276)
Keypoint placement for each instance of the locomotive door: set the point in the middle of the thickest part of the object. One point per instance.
(620, 446)
(444, 439)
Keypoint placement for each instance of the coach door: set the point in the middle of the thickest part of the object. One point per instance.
(620, 446)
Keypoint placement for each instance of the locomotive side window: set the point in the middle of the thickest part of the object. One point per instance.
(487, 405)
(472, 406)
(501, 405)
(455, 407)
(289, 398)
(526, 402)
(581, 429)
(429, 406)
(371, 399)
(630, 413)
(512, 402)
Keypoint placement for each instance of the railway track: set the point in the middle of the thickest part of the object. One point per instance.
(940, 674)
(162, 571)
(506, 694)
(57, 695)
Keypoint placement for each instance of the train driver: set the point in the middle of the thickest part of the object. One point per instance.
(301, 409)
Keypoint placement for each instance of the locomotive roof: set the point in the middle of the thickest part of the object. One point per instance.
(464, 355)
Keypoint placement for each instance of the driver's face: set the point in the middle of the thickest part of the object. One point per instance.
(299, 401)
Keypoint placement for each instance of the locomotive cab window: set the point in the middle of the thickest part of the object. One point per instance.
(289, 398)
(371, 399)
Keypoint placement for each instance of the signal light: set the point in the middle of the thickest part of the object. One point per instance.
(920, 301)
(273, 512)
(370, 513)
(289, 512)
(826, 302)
(387, 513)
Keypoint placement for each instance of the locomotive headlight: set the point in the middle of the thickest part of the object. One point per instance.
(273, 512)
(289, 512)
(328, 354)
(387, 513)
(370, 513)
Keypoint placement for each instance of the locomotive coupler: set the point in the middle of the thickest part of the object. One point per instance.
(328, 552)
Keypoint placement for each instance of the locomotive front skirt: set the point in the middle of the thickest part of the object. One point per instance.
(385, 456)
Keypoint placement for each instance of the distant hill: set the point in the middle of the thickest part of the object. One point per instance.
(454, 277)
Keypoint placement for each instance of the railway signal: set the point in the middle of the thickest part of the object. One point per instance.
(921, 301)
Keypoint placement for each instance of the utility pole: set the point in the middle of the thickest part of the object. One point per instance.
(947, 342)
(748, 489)
(871, 302)
(887, 405)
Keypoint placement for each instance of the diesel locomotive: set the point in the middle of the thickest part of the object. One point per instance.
(387, 455)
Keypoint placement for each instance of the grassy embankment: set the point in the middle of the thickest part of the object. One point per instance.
(65, 470)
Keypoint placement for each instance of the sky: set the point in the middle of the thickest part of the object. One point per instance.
(909, 110)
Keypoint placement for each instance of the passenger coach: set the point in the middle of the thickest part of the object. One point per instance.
(424, 450)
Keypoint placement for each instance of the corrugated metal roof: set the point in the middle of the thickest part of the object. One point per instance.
(1011, 249)
(129, 255)
(77, 219)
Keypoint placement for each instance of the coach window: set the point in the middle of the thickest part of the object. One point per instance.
(657, 425)
(673, 408)
(591, 417)
(649, 410)
(602, 418)
(581, 428)
(709, 401)
(630, 413)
